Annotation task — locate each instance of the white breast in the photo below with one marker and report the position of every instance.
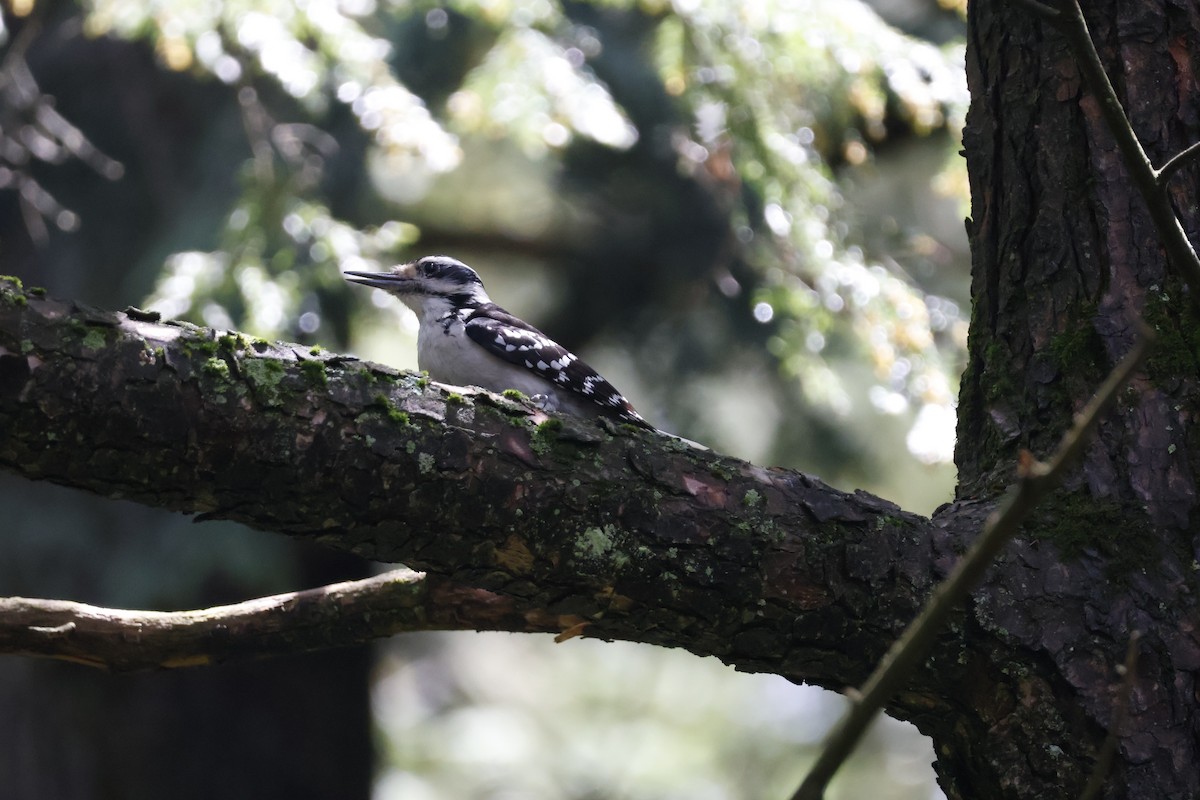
(449, 356)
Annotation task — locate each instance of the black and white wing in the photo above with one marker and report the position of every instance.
(519, 343)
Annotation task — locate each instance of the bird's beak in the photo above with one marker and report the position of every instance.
(394, 281)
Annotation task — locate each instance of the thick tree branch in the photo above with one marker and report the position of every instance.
(636, 535)
(337, 615)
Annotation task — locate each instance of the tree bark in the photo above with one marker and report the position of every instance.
(1065, 260)
(1065, 263)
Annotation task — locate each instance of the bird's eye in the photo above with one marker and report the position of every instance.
(429, 269)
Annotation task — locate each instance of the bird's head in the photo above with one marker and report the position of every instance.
(430, 284)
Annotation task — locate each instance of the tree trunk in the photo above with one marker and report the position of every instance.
(1065, 261)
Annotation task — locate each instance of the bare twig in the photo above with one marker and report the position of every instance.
(1176, 163)
(337, 615)
(1120, 711)
(1036, 480)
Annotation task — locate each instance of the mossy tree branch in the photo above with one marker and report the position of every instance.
(637, 535)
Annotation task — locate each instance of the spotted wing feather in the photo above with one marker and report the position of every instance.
(518, 342)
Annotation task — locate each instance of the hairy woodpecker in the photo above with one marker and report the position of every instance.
(467, 340)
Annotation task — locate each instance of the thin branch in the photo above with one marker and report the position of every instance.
(1120, 711)
(1176, 163)
(1147, 180)
(338, 615)
(1035, 481)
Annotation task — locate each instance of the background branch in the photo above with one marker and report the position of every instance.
(337, 615)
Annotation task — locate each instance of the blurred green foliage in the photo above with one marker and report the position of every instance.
(647, 122)
(590, 719)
